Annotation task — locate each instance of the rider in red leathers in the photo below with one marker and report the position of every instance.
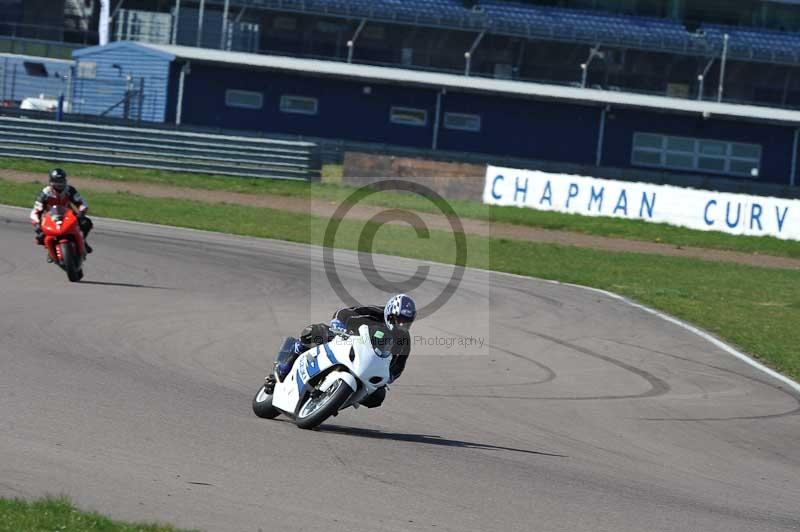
(59, 192)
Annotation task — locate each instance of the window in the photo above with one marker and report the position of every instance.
(680, 144)
(710, 147)
(462, 122)
(35, 69)
(408, 116)
(679, 160)
(702, 155)
(649, 141)
(87, 69)
(748, 151)
(373, 32)
(647, 158)
(330, 27)
(299, 104)
(284, 23)
(244, 99)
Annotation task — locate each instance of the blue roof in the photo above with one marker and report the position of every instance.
(125, 45)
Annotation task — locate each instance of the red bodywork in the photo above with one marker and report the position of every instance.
(60, 225)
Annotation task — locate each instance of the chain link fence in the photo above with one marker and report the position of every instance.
(40, 84)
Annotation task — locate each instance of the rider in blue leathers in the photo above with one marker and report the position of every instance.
(388, 329)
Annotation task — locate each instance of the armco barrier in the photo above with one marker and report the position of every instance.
(158, 149)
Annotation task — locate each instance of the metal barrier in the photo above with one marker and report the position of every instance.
(158, 149)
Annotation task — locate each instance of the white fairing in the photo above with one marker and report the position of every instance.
(330, 362)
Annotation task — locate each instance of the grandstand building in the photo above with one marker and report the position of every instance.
(685, 87)
(668, 47)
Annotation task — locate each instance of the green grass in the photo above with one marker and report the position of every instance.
(58, 515)
(331, 190)
(754, 308)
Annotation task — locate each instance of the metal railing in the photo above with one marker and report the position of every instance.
(158, 149)
(44, 32)
(33, 47)
(690, 44)
(25, 77)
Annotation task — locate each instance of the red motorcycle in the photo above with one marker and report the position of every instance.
(64, 241)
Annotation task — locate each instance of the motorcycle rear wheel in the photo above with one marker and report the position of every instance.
(314, 411)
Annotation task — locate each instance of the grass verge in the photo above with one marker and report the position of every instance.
(331, 190)
(753, 308)
(48, 515)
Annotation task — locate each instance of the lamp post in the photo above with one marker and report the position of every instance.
(722, 68)
(352, 42)
(701, 78)
(468, 53)
(223, 43)
(200, 23)
(594, 52)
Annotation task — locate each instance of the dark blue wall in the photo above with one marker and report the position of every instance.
(509, 126)
(776, 141)
(172, 91)
(345, 111)
(523, 128)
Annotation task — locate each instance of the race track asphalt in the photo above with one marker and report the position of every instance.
(131, 393)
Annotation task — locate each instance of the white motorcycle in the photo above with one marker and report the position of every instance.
(326, 379)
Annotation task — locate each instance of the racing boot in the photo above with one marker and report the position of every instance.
(375, 399)
(88, 247)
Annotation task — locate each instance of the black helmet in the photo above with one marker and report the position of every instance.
(58, 179)
(400, 312)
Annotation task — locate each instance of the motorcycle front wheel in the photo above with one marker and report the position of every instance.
(315, 410)
(262, 405)
(71, 264)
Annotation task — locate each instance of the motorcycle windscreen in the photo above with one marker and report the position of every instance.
(64, 219)
(58, 213)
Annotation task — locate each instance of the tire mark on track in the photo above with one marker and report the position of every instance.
(658, 386)
(793, 412)
(549, 373)
(7, 267)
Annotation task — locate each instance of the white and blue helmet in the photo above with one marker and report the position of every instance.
(400, 311)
